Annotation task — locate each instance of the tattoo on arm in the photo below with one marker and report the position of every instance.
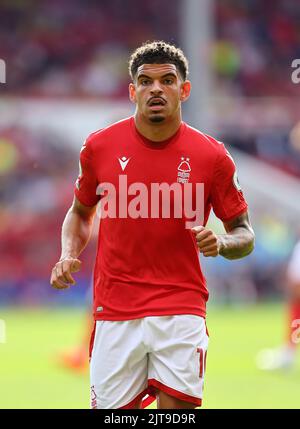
(238, 241)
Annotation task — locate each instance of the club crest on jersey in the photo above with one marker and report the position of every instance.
(184, 170)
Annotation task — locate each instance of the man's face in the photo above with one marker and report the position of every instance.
(158, 91)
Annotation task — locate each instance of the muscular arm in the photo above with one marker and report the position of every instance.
(76, 232)
(76, 229)
(239, 238)
(236, 243)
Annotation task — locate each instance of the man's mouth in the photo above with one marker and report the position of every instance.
(156, 101)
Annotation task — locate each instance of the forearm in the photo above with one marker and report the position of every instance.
(237, 243)
(76, 232)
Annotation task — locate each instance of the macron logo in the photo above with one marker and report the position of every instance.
(123, 162)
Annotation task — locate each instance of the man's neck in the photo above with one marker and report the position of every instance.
(157, 132)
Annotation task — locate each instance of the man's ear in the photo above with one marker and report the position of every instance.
(185, 90)
(132, 93)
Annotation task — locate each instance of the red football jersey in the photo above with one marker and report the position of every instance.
(147, 262)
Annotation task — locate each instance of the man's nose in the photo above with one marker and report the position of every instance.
(156, 87)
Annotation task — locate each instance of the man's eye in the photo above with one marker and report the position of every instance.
(145, 82)
(168, 81)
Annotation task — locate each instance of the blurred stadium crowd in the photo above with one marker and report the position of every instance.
(255, 39)
(80, 48)
(77, 48)
(37, 175)
(38, 169)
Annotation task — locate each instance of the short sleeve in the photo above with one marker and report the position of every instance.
(226, 196)
(86, 183)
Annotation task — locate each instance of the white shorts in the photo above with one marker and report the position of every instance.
(135, 358)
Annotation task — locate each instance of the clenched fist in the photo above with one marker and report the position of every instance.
(61, 277)
(207, 241)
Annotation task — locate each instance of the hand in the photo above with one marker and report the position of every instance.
(207, 241)
(61, 277)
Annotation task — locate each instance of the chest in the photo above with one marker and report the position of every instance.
(181, 164)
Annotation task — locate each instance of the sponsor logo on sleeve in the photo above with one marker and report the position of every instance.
(236, 182)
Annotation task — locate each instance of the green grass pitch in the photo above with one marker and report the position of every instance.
(30, 377)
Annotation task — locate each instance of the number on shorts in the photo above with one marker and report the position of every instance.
(202, 360)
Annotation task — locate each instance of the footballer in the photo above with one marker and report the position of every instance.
(149, 172)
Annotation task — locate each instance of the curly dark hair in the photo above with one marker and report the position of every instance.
(158, 52)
